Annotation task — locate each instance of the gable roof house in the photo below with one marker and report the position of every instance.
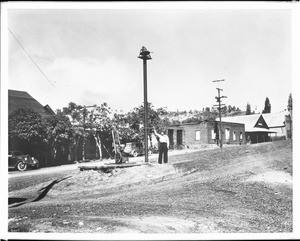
(256, 127)
(277, 123)
(21, 99)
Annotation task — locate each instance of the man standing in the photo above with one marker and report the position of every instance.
(163, 146)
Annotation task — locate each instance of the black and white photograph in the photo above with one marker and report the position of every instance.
(149, 120)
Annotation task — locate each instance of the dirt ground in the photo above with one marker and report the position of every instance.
(237, 189)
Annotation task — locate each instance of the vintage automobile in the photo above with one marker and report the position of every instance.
(18, 160)
(136, 149)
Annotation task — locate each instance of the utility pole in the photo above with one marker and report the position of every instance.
(145, 55)
(219, 108)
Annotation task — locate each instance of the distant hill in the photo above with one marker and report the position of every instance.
(200, 115)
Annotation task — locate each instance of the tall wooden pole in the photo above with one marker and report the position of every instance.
(145, 109)
(220, 114)
(145, 55)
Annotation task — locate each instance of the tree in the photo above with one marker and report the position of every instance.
(267, 108)
(224, 110)
(122, 124)
(192, 120)
(207, 114)
(58, 135)
(100, 125)
(290, 103)
(47, 138)
(76, 114)
(26, 133)
(136, 120)
(248, 109)
(88, 122)
(25, 124)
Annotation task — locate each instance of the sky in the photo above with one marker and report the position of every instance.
(90, 56)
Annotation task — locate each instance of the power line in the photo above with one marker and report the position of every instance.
(31, 58)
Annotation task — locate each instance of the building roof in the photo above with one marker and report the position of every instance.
(21, 99)
(275, 119)
(256, 129)
(253, 123)
(249, 120)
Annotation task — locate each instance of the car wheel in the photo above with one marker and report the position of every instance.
(135, 154)
(21, 166)
(149, 153)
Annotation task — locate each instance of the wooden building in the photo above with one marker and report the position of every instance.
(256, 127)
(278, 123)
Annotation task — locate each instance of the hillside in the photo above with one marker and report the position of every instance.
(200, 115)
(234, 189)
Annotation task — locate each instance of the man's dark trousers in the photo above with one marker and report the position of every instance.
(163, 150)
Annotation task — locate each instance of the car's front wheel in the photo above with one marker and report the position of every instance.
(22, 166)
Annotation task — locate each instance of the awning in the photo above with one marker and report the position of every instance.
(262, 130)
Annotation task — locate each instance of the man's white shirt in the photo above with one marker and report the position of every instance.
(163, 139)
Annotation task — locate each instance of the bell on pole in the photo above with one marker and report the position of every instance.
(144, 54)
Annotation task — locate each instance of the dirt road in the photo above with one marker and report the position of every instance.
(20, 180)
(230, 190)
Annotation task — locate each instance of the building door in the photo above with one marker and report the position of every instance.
(227, 133)
(171, 138)
(179, 137)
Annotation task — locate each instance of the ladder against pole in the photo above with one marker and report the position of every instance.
(116, 140)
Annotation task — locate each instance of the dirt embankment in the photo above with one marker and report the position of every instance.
(234, 189)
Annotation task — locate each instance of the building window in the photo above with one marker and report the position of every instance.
(227, 133)
(234, 136)
(197, 135)
(213, 135)
(241, 135)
